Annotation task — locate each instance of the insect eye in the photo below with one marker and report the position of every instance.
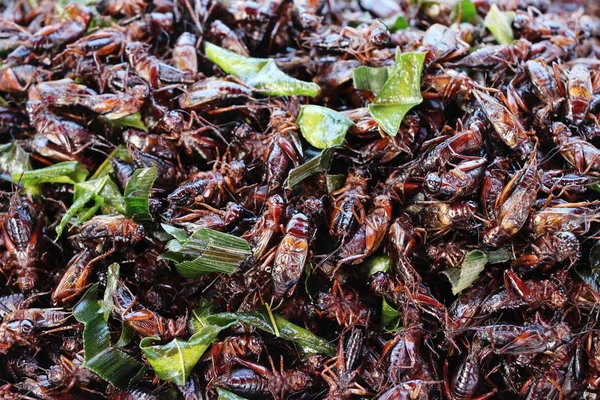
(26, 327)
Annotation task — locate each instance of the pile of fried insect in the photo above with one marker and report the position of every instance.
(208, 199)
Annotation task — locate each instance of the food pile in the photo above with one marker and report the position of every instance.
(208, 199)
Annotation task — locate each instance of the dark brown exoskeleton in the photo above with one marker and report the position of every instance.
(102, 43)
(75, 20)
(498, 57)
(580, 93)
(213, 91)
(349, 205)
(567, 183)
(16, 79)
(547, 87)
(224, 352)
(405, 358)
(464, 382)
(550, 249)
(10, 303)
(496, 176)
(341, 372)
(463, 143)
(508, 128)
(184, 54)
(127, 8)
(209, 217)
(407, 390)
(442, 44)
(22, 230)
(370, 234)
(460, 181)
(152, 69)
(67, 374)
(144, 321)
(267, 227)
(256, 380)
(582, 155)
(343, 307)
(439, 218)
(564, 217)
(23, 326)
(514, 203)
(210, 187)
(291, 255)
(530, 339)
(75, 279)
(103, 231)
(531, 293)
(283, 150)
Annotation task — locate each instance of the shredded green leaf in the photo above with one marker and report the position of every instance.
(206, 251)
(401, 92)
(137, 194)
(307, 341)
(112, 283)
(175, 360)
(467, 10)
(109, 363)
(227, 395)
(259, 73)
(130, 121)
(106, 167)
(376, 263)
(499, 24)
(397, 24)
(335, 182)
(473, 264)
(13, 161)
(320, 163)
(390, 318)
(70, 172)
(323, 127)
(371, 79)
(88, 197)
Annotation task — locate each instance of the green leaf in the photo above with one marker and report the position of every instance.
(472, 265)
(101, 192)
(401, 92)
(390, 318)
(227, 395)
(13, 161)
(111, 364)
(323, 127)
(376, 263)
(397, 24)
(106, 167)
(196, 321)
(112, 283)
(308, 342)
(70, 172)
(206, 251)
(175, 360)
(320, 163)
(131, 121)
(499, 24)
(335, 182)
(137, 194)
(118, 368)
(467, 10)
(371, 79)
(177, 233)
(259, 73)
